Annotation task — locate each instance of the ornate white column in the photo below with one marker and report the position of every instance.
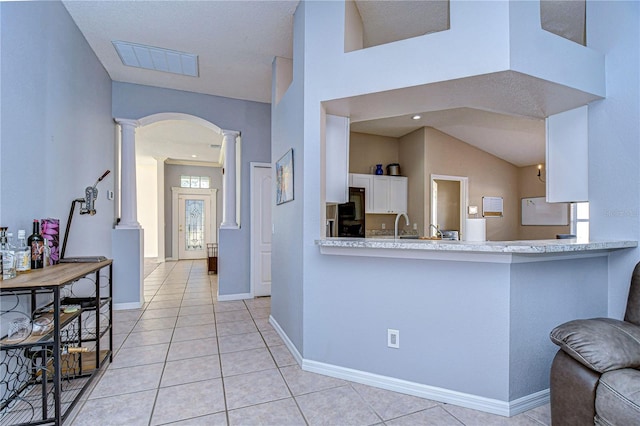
(229, 180)
(128, 196)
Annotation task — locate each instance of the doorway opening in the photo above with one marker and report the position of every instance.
(194, 222)
(449, 199)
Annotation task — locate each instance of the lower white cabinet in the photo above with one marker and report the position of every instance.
(383, 194)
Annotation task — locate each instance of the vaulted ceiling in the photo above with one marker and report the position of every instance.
(236, 42)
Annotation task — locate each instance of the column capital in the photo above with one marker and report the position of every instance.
(230, 133)
(127, 122)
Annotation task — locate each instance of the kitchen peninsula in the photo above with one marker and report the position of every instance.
(474, 317)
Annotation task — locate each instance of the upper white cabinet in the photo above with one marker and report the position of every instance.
(366, 182)
(383, 194)
(567, 156)
(337, 159)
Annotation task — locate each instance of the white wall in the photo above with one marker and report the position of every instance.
(147, 191)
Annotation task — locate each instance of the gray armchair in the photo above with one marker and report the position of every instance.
(595, 376)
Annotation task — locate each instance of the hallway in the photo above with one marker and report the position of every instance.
(187, 359)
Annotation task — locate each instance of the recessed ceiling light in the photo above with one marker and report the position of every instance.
(194, 156)
(156, 58)
(416, 117)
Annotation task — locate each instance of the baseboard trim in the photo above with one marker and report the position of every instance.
(125, 306)
(236, 296)
(288, 343)
(475, 402)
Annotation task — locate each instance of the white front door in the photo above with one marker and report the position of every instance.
(194, 230)
(261, 229)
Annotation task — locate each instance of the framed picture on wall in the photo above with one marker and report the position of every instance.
(284, 178)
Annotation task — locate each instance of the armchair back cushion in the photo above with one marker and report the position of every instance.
(602, 344)
(632, 314)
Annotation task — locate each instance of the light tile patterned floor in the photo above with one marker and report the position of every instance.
(187, 359)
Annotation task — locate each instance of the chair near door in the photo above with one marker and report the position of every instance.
(212, 257)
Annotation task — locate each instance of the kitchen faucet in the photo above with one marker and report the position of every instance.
(438, 232)
(395, 229)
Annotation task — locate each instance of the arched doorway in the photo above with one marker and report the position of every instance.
(217, 146)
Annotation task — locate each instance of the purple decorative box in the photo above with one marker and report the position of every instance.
(50, 229)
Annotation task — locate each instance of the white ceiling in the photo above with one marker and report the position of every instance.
(236, 42)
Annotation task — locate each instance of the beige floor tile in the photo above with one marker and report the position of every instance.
(163, 304)
(236, 327)
(194, 333)
(123, 327)
(282, 356)
(229, 316)
(478, 418)
(232, 305)
(130, 409)
(118, 381)
(196, 310)
(272, 338)
(263, 324)
(190, 370)
(160, 313)
(118, 340)
(191, 320)
(259, 302)
(284, 412)
(127, 315)
(337, 406)
(192, 349)
(218, 419)
(390, 404)
(541, 414)
(187, 401)
(155, 324)
(197, 295)
(301, 382)
(196, 302)
(246, 361)
(436, 416)
(129, 357)
(240, 342)
(260, 312)
(144, 338)
(254, 388)
(166, 298)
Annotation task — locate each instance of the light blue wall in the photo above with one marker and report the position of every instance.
(287, 260)
(253, 119)
(614, 139)
(57, 133)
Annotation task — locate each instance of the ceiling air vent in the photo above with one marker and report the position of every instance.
(155, 58)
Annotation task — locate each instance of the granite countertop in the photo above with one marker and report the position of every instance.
(520, 246)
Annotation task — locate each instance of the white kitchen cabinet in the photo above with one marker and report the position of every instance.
(337, 159)
(366, 182)
(383, 194)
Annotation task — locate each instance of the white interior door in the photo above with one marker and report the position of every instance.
(261, 229)
(194, 226)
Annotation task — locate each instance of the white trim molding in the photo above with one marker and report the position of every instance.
(235, 296)
(475, 402)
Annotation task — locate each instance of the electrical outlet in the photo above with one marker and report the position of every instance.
(384, 226)
(473, 209)
(393, 338)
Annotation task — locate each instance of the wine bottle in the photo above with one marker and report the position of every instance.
(36, 242)
(8, 256)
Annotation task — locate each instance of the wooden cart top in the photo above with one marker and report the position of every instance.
(52, 276)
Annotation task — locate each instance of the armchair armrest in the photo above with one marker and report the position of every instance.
(601, 344)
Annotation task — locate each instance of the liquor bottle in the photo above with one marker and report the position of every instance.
(23, 254)
(8, 256)
(36, 242)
